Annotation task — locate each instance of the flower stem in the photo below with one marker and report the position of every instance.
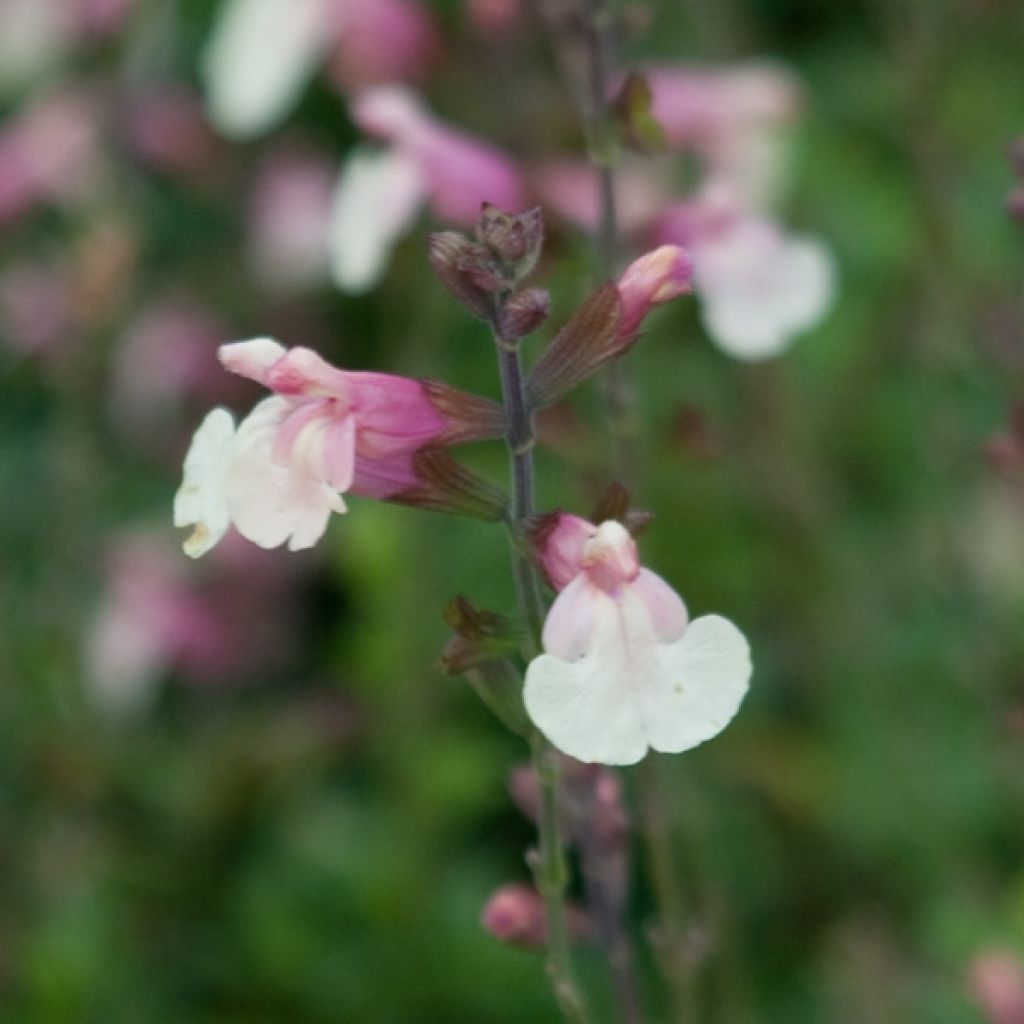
(623, 427)
(549, 863)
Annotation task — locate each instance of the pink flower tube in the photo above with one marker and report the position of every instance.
(278, 476)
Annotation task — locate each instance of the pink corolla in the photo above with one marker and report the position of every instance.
(380, 192)
(263, 54)
(735, 118)
(759, 286)
(279, 474)
(623, 669)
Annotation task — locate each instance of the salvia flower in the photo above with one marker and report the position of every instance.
(263, 53)
(279, 474)
(623, 669)
(380, 192)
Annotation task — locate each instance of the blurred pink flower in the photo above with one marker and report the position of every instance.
(167, 131)
(167, 354)
(759, 286)
(36, 309)
(623, 670)
(736, 118)
(281, 473)
(263, 53)
(495, 17)
(156, 617)
(515, 914)
(49, 153)
(289, 211)
(379, 193)
(996, 980)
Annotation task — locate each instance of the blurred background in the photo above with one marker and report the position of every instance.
(241, 790)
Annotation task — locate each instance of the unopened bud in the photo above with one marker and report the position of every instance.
(515, 914)
(454, 259)
(514, 240)
(524, 313)
(652, 280)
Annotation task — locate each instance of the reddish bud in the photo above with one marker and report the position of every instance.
(514, 240)
(652, 280)
(455, 262)
(524, 313)
(515, 914)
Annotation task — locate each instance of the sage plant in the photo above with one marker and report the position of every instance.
(613, 667)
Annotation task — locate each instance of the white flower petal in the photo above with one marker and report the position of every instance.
(260, 58)
(201, 500)
(271, 503)
(629, 691)
(702, 678)
(761, 288)
(570, 622)
(375, 201)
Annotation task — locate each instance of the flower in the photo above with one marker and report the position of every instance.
(760, 287)
(280, 473)
(263, 53)
(623, 669)
(379, 193)
(652, 280)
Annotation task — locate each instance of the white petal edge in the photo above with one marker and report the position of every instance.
(376, 199)
(201, 501)
(259, 59)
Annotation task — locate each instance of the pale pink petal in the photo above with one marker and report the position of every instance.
(570, 622)
(663, 604)
(252, 359)
(260, 59)
(610, 557)
(561, 552)
(375, 202)
(301, 372)
(340, 453)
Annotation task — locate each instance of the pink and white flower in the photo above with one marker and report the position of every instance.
(380, 192)
(279, 474)
(263, 54)
(760, 287)
(623, 669)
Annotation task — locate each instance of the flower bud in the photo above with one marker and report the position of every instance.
(524, 313)
(456, 263)
(652, 280)
(515, 241)
(515, 914)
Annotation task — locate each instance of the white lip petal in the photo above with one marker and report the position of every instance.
(629, 692)
(201, 501)
(377, 197)
(259, 60)
(701, 681)
(272, 503)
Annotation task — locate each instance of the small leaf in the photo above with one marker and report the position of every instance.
(639, 129)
